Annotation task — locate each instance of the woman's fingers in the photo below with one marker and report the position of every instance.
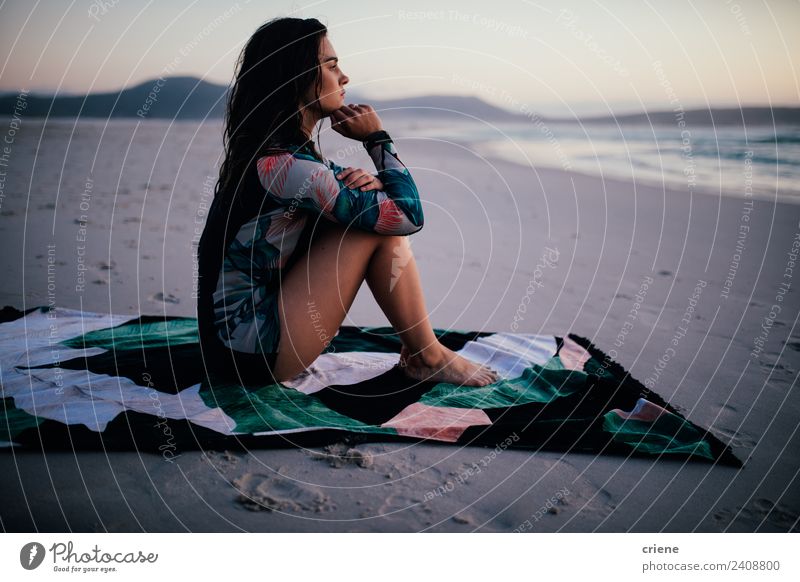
(350, 176)
(336, 123)
(344, 173)
(341, 115)
(356, 177)
(348, 111)
(374, 184)
(362, 181)
(342, 120)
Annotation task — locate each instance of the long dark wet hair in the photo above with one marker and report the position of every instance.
(274, 72)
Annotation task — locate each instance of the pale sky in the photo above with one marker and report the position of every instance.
(553, 57)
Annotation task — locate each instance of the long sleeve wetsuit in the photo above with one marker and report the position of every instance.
(239, 279)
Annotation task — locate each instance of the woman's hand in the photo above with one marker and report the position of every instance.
(355, 121)
(356, 177)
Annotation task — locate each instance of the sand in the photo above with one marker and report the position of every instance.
(643, 270)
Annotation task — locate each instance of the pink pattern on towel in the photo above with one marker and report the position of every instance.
(440, 423)
(644, 410)
(573, 355)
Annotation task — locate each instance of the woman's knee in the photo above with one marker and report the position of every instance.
(343, 234)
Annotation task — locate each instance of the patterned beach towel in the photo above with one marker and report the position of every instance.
(84, 380)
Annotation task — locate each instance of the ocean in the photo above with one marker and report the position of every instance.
(762, 162)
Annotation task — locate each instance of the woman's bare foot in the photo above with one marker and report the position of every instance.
(441, 364)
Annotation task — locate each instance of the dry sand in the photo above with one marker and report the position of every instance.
(487, 223)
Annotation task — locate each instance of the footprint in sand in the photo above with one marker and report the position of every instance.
(724, 408)
(264, 493)
(340, 454)
(222, 461)
(398, 504)
(569, 497)
(793, 344)
(168, 298)
(734, 438)
(760, 514)
(464, 519)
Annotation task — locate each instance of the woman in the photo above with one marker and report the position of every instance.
(289, 238)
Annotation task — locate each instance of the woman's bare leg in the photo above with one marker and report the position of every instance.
(320, 288)
(395, 283)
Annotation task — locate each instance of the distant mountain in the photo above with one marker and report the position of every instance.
(192, 98)
(169, 98)
(445, 106)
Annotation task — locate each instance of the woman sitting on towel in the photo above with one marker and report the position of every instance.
(290, 236)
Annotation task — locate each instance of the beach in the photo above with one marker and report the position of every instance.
(695, 293)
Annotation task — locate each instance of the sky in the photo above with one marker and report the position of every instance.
(564, 57)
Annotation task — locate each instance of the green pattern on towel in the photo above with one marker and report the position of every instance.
(668, 434)
(151, 334)
(536, 384)
(274, 408)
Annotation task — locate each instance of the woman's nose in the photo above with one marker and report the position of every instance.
(345, 79)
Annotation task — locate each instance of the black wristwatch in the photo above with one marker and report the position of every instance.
(376, 137)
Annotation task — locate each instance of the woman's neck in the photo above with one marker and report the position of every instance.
(309, 121)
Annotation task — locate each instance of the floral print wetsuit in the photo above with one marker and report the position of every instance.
(238, 300)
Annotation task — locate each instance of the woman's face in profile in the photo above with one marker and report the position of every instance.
(331, 95)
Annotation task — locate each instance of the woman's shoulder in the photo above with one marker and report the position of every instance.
(272, 152)
(276, 150)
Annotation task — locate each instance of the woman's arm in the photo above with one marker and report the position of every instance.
(298, 180)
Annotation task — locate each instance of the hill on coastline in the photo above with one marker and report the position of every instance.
(192, 98)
